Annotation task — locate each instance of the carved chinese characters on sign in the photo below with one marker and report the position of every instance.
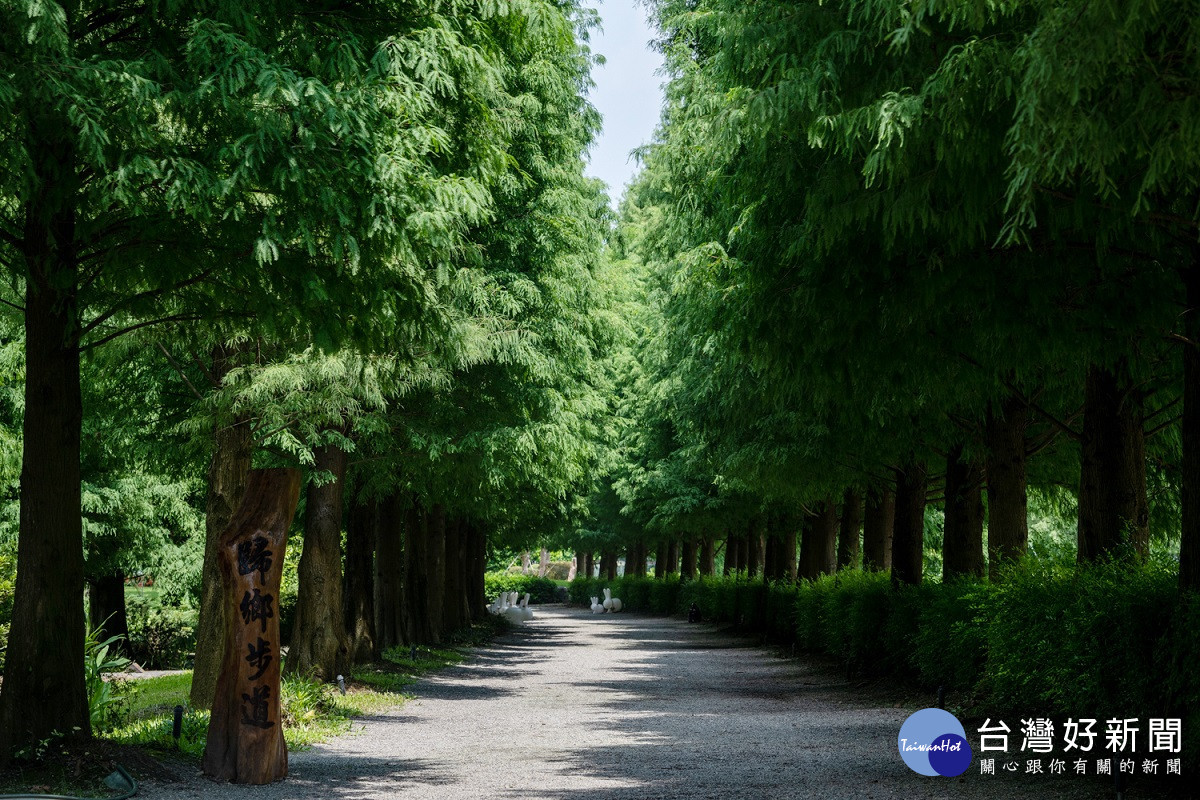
(245, 741)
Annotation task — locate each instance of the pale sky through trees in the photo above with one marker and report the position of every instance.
(628, 91)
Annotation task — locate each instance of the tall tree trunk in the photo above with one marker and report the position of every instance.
(477, 547)
(731, 555)
(233, 446)
(660, 558)
(1189, 540)
(1007, 511)
(435, 565)
(1113, 511)
(106, 608)
(672, 556)
(609, 570)
(908, 533)
(878, 521)
(754, 546)
(962, 540)
(590, 568)
(849, 533)
(319, 647)
(389, 572)
(708, 557)
(452, 556)
(790, 547)
(687, 570)
(543, 562)
(43, 688)
(525, 562)
(360, 581)
(245, 731)
(579, 567)
(770, 550)
(818, 546)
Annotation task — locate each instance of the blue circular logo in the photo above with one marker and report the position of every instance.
(933, 742)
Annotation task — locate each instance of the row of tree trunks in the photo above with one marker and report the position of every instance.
(1113, 510)
(908, 532)
(661, 558)
(476, 544)
(962, 541)
(754, 539)
(319, 645)
(879, 516)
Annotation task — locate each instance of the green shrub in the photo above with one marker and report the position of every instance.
(160, 638)
(106, 698)
(540, 590)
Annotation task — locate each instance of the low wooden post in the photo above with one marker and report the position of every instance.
(245, 734)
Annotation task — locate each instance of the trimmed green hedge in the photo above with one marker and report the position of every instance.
(1108, 639)
(541, 590)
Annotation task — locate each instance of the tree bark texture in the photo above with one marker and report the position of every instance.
(687, 567)
(319, 645)
(245, 732)
(1189, 541)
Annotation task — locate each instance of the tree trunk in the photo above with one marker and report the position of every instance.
(477, 554)
(245, 732)
(754, 546)
(610, 570)
(543, 562)
(435, 566)
(1189, 539)
(660, 559)
(962, 539)
(1008, 512)
(708, 557)
(389, 573)
(233, 446)
(43, 688)
(878, 521)
(849, 532)
(789, 549)
(590, 570)
(908, 533)
(687, 570)
(1113, 511)
(319, 647)
(818, 545)
(106, 608)
(578, 566)
(418, 581)
(452, 557)
(360, 581)
(730, 565)
(525, 562)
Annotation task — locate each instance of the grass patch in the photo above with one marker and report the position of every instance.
(312, 712)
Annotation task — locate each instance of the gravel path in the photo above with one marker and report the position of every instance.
(625, 706)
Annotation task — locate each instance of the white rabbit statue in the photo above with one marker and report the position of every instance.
(526, 611)
(611, 603)
(597, 608)
(500, 604)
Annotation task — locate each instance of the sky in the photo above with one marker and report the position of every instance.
(628, 91)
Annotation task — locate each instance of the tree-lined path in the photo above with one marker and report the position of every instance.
(624, 707)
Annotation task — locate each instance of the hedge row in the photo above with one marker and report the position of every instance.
(1112, 639)
(541, 590)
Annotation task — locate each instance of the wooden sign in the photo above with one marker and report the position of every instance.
(245, 735)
